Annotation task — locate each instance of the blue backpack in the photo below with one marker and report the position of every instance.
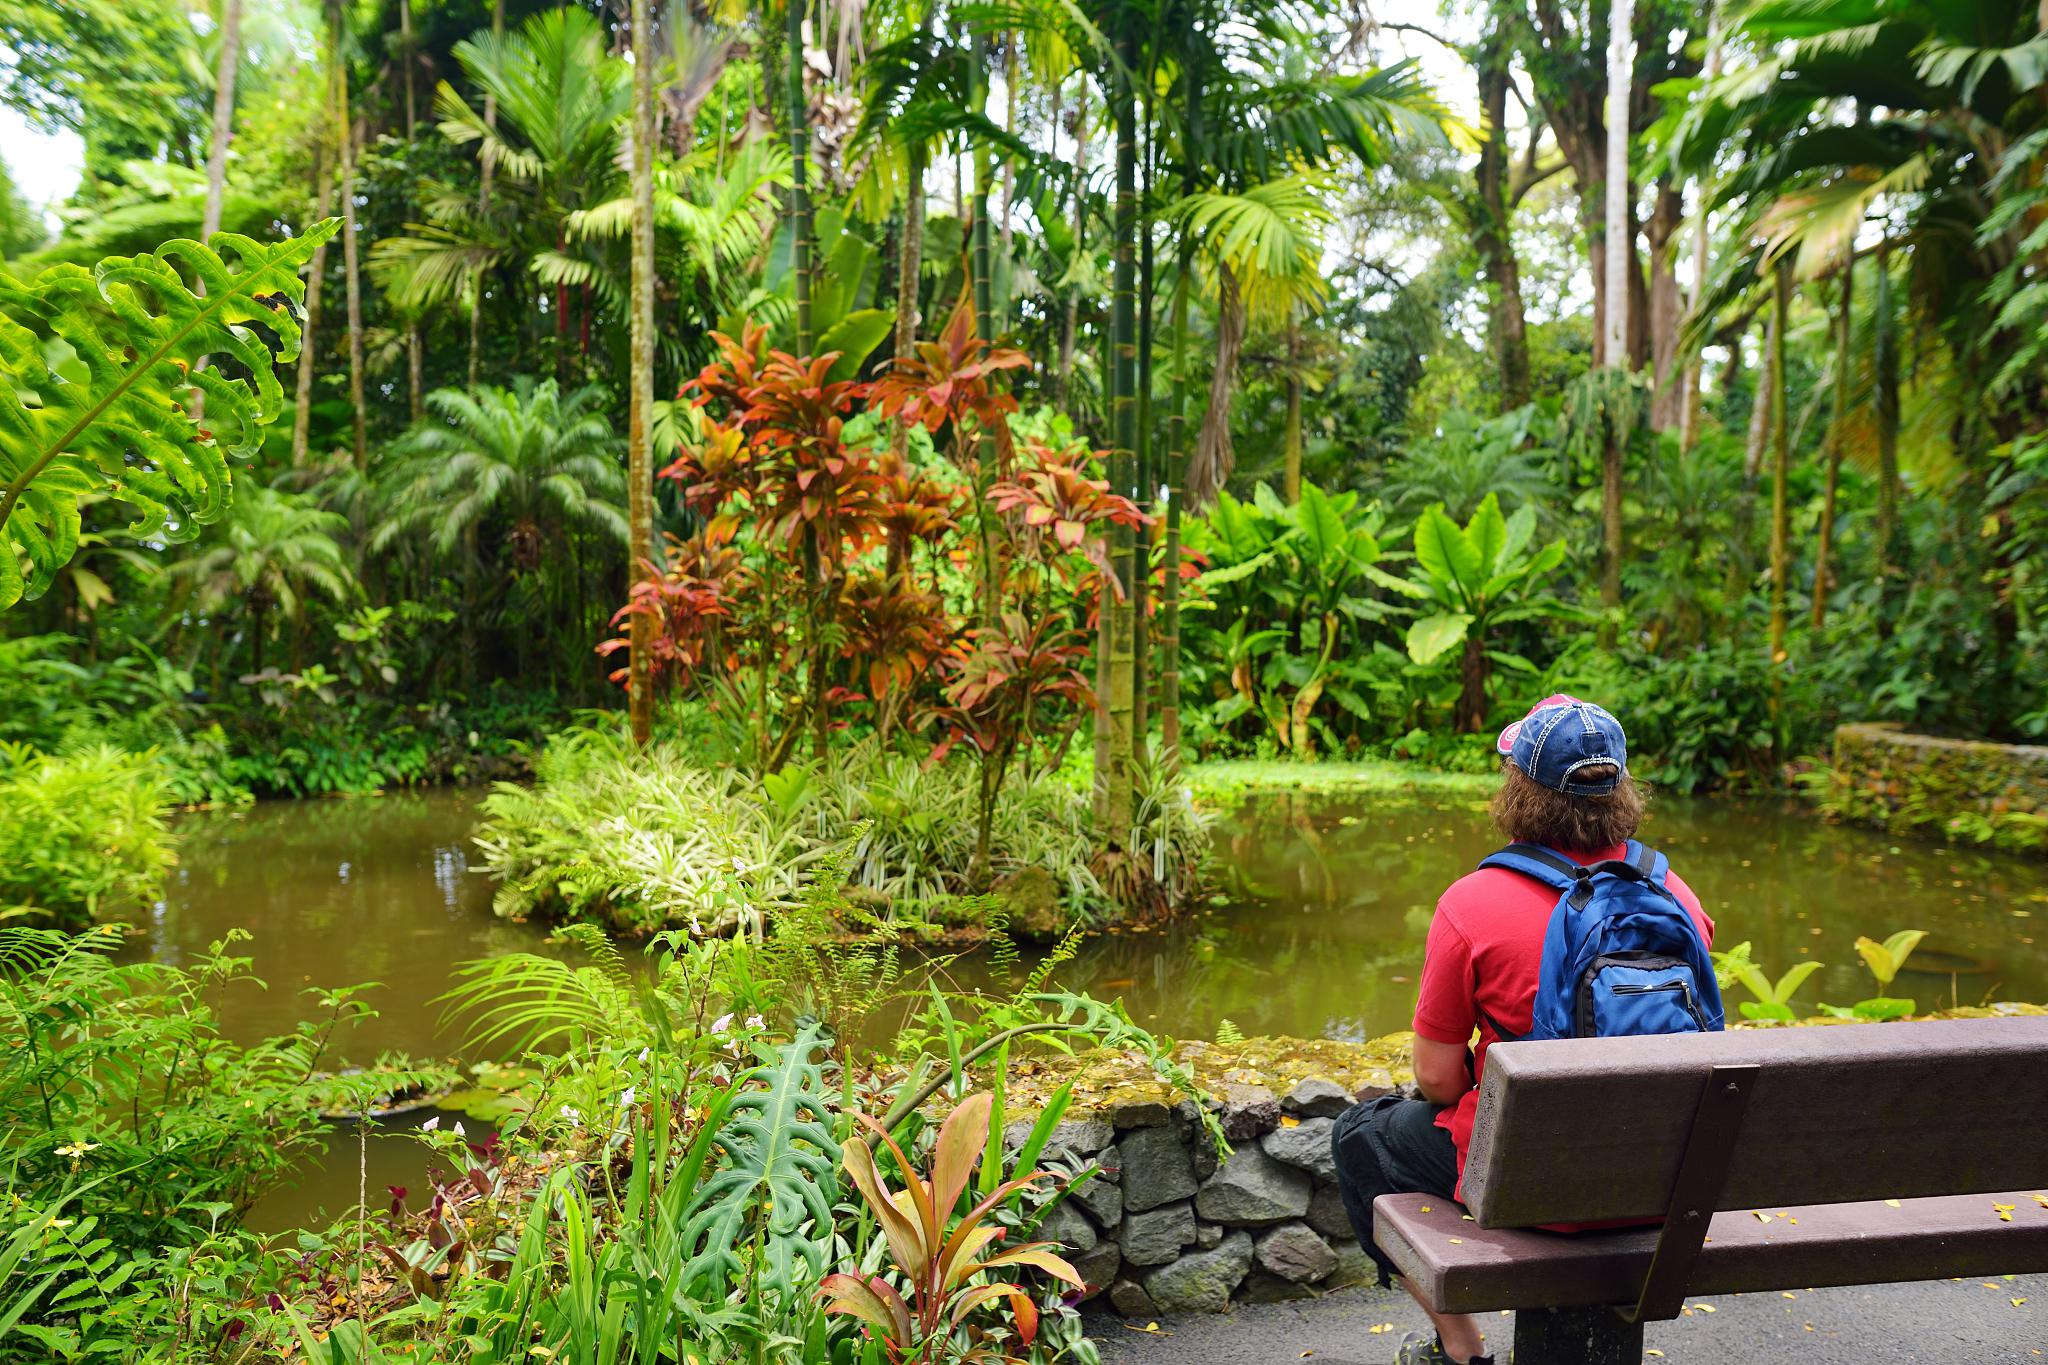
(1621, 957)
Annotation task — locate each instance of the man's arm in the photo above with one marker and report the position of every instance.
(1443, 1071)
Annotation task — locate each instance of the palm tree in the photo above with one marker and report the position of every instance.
(539, 461)
(264, 559)
(556, 103)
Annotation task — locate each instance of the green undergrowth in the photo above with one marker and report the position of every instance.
(84, 832)
(642, 840)
(1225, 779)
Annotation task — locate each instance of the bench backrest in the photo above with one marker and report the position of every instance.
(1584, 1130)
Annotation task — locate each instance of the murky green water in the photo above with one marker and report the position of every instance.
(1318, 928)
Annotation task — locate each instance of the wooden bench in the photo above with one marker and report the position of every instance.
(1873, 1153)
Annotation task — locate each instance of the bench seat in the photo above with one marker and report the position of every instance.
(1460, 1267)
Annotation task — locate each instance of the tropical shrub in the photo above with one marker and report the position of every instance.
(1478, 577)
(134, 1137)
(1280, 620)
(85, 833)
(647, 839)
(941, 1254)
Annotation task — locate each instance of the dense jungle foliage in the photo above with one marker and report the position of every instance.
(855, 460)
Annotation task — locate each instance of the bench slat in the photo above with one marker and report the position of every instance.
(1592, 1130)
(1484, 1270)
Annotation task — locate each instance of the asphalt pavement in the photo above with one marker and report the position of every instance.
(1941, 1322)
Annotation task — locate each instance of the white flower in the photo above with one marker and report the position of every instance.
(626, 1100)
(431, 1124)
(458, 1128)
(721, 1023)
(572, 1115)
(643, 1054)
(755, 1021)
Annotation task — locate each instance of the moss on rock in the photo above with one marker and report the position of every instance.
(1965, 791)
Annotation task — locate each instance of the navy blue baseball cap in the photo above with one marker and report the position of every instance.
(1561, 737)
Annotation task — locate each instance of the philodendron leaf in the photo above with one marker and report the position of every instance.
(1429, 637)
(126, 430)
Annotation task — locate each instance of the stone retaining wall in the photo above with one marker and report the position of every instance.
(1165, 1226)
(1969, 791)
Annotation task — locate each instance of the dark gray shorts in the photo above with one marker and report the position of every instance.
(1390, 1146)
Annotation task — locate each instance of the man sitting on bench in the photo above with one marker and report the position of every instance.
(1565, 789)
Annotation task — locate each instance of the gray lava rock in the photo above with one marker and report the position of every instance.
(1138, 1113)
(1326, 1213)
(1251, 1188)
(1100, 1196)
(1294, 1252)
(1249, 1111)
(1073, 1137)
(1262, 1287)
(1156, 1169)
(1202, 1281)
(1156, 1236)
(1129, 1298)
(1069, 1227)
(1098, 1267)
(1353, 1265)
(1316, 1099)
(1306, 1145)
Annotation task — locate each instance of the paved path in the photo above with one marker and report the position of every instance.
(1943, 1322)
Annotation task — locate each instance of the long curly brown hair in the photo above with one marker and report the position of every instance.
(1528, 812)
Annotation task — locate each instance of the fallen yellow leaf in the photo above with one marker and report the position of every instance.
(1380, 1327)
(2017, 1302)
(1653, 1353)
(1457, 1241)
(1704, 1307)
(1425, 1208)
(1761, 1216)
(1894, 1203)
(1289, 1121)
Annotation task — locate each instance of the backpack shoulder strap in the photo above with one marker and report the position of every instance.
(1553, 869)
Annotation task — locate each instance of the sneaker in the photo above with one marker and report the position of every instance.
(1417, 1349)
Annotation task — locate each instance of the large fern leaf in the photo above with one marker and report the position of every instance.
(778, 1181)
(98, 367)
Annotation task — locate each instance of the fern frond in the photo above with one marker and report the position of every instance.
(125, 429)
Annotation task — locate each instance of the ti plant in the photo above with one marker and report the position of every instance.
(104, 389)
(942, 1258)
(1885, 961)
(1773, 998)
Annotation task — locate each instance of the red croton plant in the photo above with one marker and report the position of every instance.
(831, 559)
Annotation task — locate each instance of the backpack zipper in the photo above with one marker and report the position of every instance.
(1651, 988)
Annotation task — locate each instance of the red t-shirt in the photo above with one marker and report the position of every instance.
(1485, 951)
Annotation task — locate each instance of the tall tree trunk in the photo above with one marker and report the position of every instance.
(1885, 364)
(1007, 234)
(1667, 307)
(1760, 408)
(908, 291)
(1070, 313)
(217, 148)
(1290, 438)
(316, 271)
(1837, 434)
(1124, 424)
(1781, 461)
(483, 206)
(800, 170)
(1492, 237)
(405, 61)
(1176, 452)
(639, 456)
(1144, 478)
(414, 373)
(350, 261)
(223, 116)
(1620, 259)
(1689, 398)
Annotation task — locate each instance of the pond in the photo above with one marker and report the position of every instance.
(1316, 928)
